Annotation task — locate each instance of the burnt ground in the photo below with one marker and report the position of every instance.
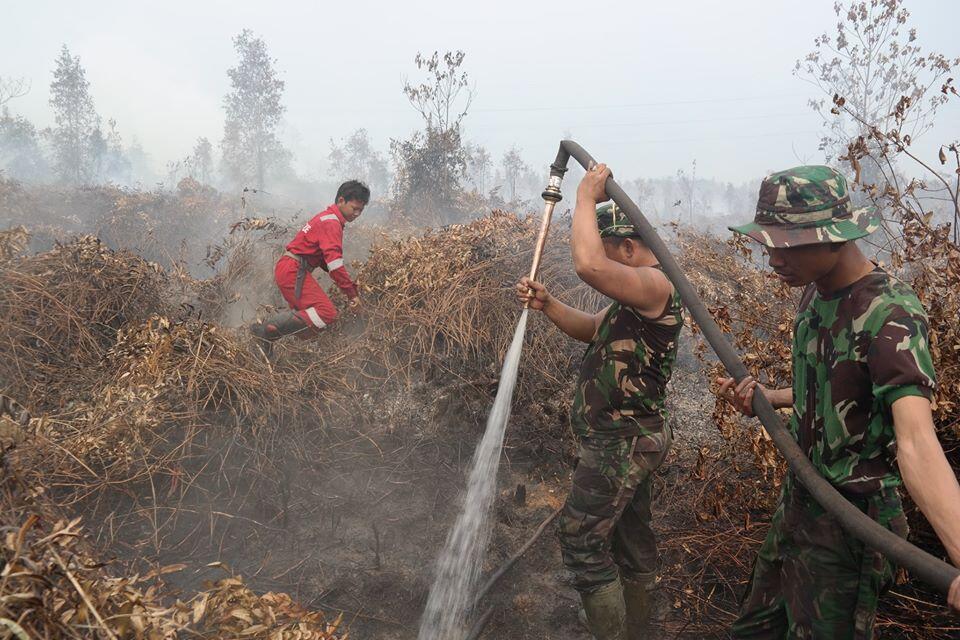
(357, 522)
(359, 529)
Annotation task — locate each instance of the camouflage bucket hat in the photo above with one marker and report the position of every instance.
(807, 205)
(613, 222)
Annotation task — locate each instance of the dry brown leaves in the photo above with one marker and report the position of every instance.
(151, 392)
(128, 394)
(756, 311)
(123, 397)
(229, 609)
(51, 586)
(448, 296)
(932, 267)
(123, 390)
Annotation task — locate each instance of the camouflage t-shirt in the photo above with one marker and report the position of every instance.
(624, 373)
(855, 352)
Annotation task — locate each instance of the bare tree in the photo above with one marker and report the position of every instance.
(478, 166)
(514, 169)
(202, 161)
(11, 88)
(688, 185)
(872, 60)
(198, 166)
(430, 165)
(883, 92)
(356, 158)
(98, 153)
(444, 99)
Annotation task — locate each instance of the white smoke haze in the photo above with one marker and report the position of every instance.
(649, 89)
(165, 128)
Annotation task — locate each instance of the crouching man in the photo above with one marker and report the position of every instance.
(618, 412)
(318, 244)
(863, 381)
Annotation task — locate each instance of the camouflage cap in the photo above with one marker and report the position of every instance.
(613, 222)
(807, 205)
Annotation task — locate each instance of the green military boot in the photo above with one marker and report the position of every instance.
(605, 612)
(636, 599)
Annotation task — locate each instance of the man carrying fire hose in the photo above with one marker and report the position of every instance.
(863, 381)
(319, 243)
(618, 412)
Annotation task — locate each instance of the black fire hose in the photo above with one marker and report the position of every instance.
(928, 568)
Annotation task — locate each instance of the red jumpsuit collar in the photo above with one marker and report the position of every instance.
(335, 210)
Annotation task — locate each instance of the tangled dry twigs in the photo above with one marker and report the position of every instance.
(172, 435)
(143, 413)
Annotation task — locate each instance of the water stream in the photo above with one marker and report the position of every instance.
(460, 562)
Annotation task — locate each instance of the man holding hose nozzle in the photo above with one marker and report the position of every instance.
(618, 412)
(863, 381)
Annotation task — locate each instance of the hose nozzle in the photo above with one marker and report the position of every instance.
(551, 196)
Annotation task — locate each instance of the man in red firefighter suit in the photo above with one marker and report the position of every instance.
(319, 243)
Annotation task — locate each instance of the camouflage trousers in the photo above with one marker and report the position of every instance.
(811, 578)
(604, 528)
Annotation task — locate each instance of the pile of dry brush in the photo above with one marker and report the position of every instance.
(110, 396)
(162, 429)
(53, 585)
(150, 422)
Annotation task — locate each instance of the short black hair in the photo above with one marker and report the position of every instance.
(616, 241)
(353, 190)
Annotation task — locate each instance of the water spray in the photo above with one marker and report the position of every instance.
(454, 591)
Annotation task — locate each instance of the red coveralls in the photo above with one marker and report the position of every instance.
(321, 242)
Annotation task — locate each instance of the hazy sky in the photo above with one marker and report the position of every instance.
(648, 87)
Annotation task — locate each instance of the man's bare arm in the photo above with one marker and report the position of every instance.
(644, 288)
(573, 322)
(926, 472)
(928, 476)
(577, 324)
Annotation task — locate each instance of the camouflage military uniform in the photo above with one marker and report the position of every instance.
(619, 417)
(855, 352)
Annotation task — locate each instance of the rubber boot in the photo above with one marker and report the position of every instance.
(278, 325)
(605, 611)
(636, 599)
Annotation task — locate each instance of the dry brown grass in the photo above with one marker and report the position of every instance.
(54, 586)
(144, 414)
